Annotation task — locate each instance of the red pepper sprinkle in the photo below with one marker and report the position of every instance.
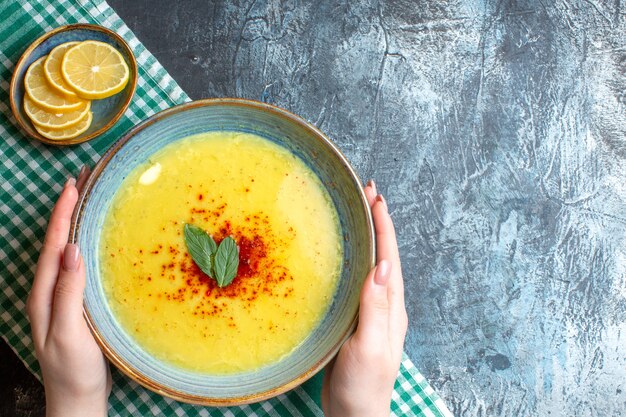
(257, 274)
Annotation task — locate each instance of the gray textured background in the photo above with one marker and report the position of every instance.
(497, 132)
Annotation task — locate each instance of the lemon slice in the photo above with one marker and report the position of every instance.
(45, 118)
(94, 70)
(40, 92)
(52, 69)
(67, 133)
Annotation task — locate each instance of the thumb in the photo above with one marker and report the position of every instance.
(67, 308)
(374, 309)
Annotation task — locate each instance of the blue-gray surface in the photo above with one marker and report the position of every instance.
(497, 131)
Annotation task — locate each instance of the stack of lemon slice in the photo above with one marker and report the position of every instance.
(60, 86)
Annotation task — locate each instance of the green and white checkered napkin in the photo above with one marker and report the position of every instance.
(32, 177)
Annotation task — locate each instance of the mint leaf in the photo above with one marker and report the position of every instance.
(219, 263)
(226, 262)
(201, 247)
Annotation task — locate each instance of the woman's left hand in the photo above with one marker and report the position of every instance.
(76, 375)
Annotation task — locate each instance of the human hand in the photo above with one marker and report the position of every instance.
(75, 373)
(360, 380)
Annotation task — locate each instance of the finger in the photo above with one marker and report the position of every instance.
(373, 327)
(387, 248)
(40, 299)
(370, 192)
(67, 307)
(325, 396)
(386, 244)
(83, 175)
(59, 224)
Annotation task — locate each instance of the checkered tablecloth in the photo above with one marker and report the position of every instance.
(32, 175)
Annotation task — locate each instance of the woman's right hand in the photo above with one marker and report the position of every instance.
(359, 381)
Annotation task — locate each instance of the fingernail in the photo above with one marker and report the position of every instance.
(70, 257)
(381, 276)
(70, 182)
(372, 185)
(82, 172)
(380, 198)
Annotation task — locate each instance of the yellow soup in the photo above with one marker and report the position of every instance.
(229, 184)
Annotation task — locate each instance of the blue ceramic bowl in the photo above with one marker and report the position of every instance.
(106, 112)
(303, 140)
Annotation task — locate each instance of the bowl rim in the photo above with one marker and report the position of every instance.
(26, 54)
(126, 367)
